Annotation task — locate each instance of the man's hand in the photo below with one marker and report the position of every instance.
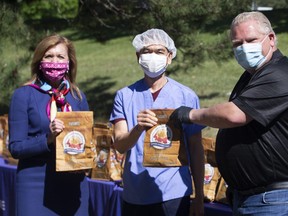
(181, 115)
(146, 119)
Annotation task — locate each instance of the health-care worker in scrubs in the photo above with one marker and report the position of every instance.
(156, 190)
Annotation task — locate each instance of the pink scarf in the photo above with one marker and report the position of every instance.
(57, 97)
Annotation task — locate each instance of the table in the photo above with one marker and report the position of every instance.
(217, 209)
(7, 190)
(105, 196)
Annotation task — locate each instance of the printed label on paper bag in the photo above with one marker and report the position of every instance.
(209, 173)
(74, 143)
(161, 137)
(102, 157)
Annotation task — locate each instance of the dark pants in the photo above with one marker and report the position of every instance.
(174, 207)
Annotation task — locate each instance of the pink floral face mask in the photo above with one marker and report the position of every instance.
(54, 71)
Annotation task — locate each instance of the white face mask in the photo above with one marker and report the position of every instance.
(249, 55)
(153, 64)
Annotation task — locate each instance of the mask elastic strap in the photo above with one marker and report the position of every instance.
(264, 60)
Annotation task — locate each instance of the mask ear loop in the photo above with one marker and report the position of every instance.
(68, 67)
(265, 58)
(264, 38)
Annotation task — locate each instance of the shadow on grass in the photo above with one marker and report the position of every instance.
(209, 96)
(99, 98)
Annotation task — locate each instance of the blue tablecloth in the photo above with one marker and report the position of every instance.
(7, 190)
(105, 196)
(217, 209)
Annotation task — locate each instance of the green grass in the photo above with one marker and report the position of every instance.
(103, 68)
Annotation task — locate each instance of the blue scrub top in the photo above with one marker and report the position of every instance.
(146, 185)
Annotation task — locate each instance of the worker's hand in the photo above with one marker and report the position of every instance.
(146, 119)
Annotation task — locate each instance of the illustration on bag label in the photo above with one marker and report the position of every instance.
(161, 137)
(74, 143)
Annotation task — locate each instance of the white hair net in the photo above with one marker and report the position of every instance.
(154, 36)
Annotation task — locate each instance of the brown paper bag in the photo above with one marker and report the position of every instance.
(211, 181)
(5, 151)
(221, 192)
(1, 135)
(209, 150)
(212, 175)
(102, 137)
(74, 146)
(115, 165)
(163, 146)
(108, 160)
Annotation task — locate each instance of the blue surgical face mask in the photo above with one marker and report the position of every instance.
(249, 55)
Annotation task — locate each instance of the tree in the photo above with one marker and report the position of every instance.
(47, 9)
(183, 20)
(280, 4)
(15, 40)
(18, 21)
(48, 15)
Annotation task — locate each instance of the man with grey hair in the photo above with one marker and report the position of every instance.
(156, 190)
(252, 143)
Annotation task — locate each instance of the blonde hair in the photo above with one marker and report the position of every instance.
(46, 44)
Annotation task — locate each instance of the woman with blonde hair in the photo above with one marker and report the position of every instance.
(40, 190)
